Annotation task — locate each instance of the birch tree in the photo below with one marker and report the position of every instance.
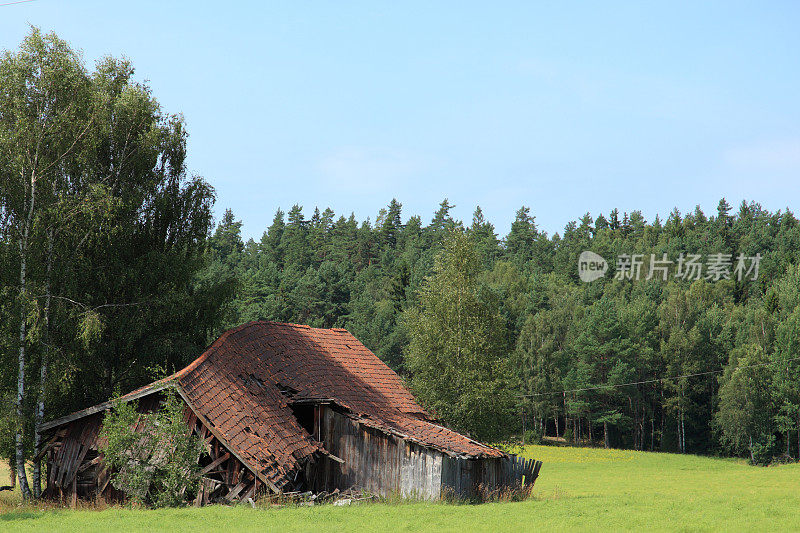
(104, 230)
(43, 102)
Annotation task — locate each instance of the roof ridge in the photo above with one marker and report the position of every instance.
(290, 324)
(221, 339)
(207, 352)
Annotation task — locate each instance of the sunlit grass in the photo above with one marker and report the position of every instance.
(578, 489)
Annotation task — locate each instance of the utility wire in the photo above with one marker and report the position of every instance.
(17, 2)
(597, 387)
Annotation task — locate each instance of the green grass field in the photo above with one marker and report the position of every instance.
(578, 489)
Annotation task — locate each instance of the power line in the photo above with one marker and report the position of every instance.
(644, 382)
(17, 2)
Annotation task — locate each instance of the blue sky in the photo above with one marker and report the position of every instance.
(565, 107)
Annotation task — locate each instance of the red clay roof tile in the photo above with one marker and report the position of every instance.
(248, 377)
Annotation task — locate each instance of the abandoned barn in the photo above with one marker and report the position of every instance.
(284, 408)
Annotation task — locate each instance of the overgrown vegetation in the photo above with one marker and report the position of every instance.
(154, 456)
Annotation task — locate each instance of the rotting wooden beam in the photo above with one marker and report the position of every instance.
(105, 476)
(235, 473)
(329, 455)
(249, 494)
(235, 491)
(312, 401)
(89, 464)
(46, 448)
(215, 463)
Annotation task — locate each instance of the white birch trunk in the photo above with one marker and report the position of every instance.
(23, 256)
(37, 466)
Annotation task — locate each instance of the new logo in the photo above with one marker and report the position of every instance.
(591, 266)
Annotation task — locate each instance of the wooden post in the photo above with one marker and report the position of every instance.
(74, 498)
(201, 489)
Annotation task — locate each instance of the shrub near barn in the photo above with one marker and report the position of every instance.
(154, 457)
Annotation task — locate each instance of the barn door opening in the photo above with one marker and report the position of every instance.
(308, 416)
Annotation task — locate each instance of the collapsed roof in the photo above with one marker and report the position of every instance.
(246, 382)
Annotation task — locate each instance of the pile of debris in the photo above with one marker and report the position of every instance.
(350, 496)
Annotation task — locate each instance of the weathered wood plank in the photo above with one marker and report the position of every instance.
(71, 451)
(218, 461)
(536, 469)
(235, 491)
(88, 464)
(46, 448)
(73, 473)
(74, 496)
(206, 487)
(250, 492)
(103, 478)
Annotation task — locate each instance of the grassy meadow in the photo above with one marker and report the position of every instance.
(578, 489)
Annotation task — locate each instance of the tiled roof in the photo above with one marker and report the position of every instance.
(246, 380)
(248, 377)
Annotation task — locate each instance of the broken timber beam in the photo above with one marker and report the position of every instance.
(218, 461)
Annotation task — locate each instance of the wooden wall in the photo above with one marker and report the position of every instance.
(385, 465)
(371, 460)
(479, 478)
(75, 467)
(377, 462)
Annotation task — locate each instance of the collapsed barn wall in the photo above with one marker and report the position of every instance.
(358, 455)
(72, 466)
(75, 467)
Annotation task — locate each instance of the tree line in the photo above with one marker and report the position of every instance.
(491, 330)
